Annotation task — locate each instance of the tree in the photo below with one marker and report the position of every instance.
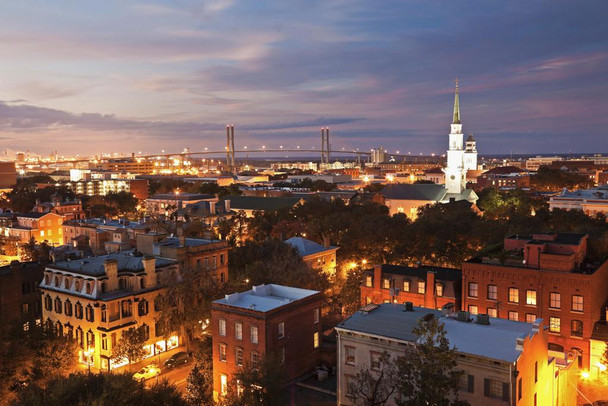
(28, 251)
(427, 371)
(130, 345)
(258, 384)
(102, 389)
(375, 387)
(199, 388)
(56, 356)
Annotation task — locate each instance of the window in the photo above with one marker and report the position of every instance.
(554, 324)
(239, 356)
(536, 372)
(406, 286)
(214, 262)
(315, 339)
(315, 316)
(283, 356)
(222, 327)
(530, 318)
(351, 386)
(222, 259)
(492, 292)
(473, 289)
(492, 312)
(349, 355)
(104, 342)
(577, 303)
(58, 305)
(473, 309)
(222, 348)
(48, 303)
(78, 310)
(386, 283)
(513, 295)
(421, 287)
(254, 334)
(90, 315)
(77, 286)
(466, 382)
(68, 307)
(577, 328)
(439, 289)
(90, 339)
(66, 283)
(281, 330)
(255, 359)
(493, 388)
(531, 297)
(143, 307)
(224, 384)
(368, 281)
(374, 360)
(519, 389)
(238, 330)
(555, 300)
(514, 316)
(25, 310)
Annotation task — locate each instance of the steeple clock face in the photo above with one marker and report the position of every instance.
(452, 177)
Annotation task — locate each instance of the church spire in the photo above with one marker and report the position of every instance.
(456, 119)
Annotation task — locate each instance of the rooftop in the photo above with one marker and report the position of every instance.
(181, 196)
(94, 266)
(307, 247)
(264, 298)
(444, 274)
(189, 242)
(550, 237)
(260, 203)
(496, 340)
(598, 193)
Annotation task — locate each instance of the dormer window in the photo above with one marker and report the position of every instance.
(89, 289)
(57, 281)
(104, 287)
(77, 286)
(142, 283)
(47, 279)
(122, 283)
(66, 283)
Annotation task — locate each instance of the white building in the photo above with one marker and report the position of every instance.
(590, 201)
(533, 164)
(459, 158)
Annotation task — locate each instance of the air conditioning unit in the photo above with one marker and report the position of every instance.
(483, 319)
(408, 307)
(463, 316)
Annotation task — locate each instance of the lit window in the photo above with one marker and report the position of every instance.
(223, 352)
(531, 297)
(349, 355)
(492, 312)
(254, 334)
(439, 289)
(368, 281)
(577, 303)
(513, 295)
(255, 359)
(406, 286)
(222, 327)
(473, 289)
(315, 339)
(492, 292)
(224, 384)
(315, 316)
(530, 318)
(239, 356)
(281, 330)
(422, 287)
(514, 316)
(386, 283)
(555, 301)
(238, 330)
(554, 324)
(473, 309)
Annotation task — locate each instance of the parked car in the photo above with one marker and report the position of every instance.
(178, 358)
(147, 372)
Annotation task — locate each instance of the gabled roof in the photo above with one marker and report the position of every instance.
(307, 247)
(260, 203)
(422, 191)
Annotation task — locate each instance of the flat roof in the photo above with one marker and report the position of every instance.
(189, 242)
(94, 266)
(264, 298)
(496, 340)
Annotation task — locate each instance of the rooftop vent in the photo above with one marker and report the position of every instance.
(483, 319)
(369, 308)
(463, 316)
(408, 307)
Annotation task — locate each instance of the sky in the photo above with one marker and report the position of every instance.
(85, 77)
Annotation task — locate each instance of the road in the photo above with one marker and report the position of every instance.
(177, 376)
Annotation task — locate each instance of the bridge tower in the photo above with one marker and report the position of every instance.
(230, 148)
(325, 145)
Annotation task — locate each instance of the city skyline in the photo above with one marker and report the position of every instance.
(87, 77)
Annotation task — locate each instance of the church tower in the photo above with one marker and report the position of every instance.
(470, 154)
(455, 172)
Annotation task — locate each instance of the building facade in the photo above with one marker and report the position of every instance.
(546, 276)
(590, 201)
(40, 226)
(502, 362)
(20, 304)
(94, 300)
(268, 321)
(424, 286)
(315, 255)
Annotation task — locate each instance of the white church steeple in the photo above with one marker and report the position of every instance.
(455, 171)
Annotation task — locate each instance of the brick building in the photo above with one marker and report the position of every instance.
(425, 286)
(503, 362)
(266, 321)
(541, 275)
(68, 210)
(315, 255)
(196, 253)
(41, 226)
(503, 177)
(94, 299)
(19, 295)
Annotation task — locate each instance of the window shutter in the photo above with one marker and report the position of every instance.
(505, 391)
(486, 387)
(471, 383)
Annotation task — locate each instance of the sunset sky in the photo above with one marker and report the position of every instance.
(99, 76)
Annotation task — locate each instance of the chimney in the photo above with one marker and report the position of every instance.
(149, 264)
(180, 235)
(111, 268)
(227, 205)
(429, 294)
(377, 281)
(326, 241)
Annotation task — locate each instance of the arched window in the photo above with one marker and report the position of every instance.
(68, 307)
(80, 337)
(90, 339)
(90, 315)
(104, 287)
(66, 283)
(47, 279)
(49, 324)
(77, 286)
(78, 310)
(142, 283)
(122, 283)
(142, 307)
(58, 305)
(57, 281)
(59, 329)
(48, 303)
(89, 289)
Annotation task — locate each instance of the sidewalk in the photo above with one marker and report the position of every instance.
(134, 367)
